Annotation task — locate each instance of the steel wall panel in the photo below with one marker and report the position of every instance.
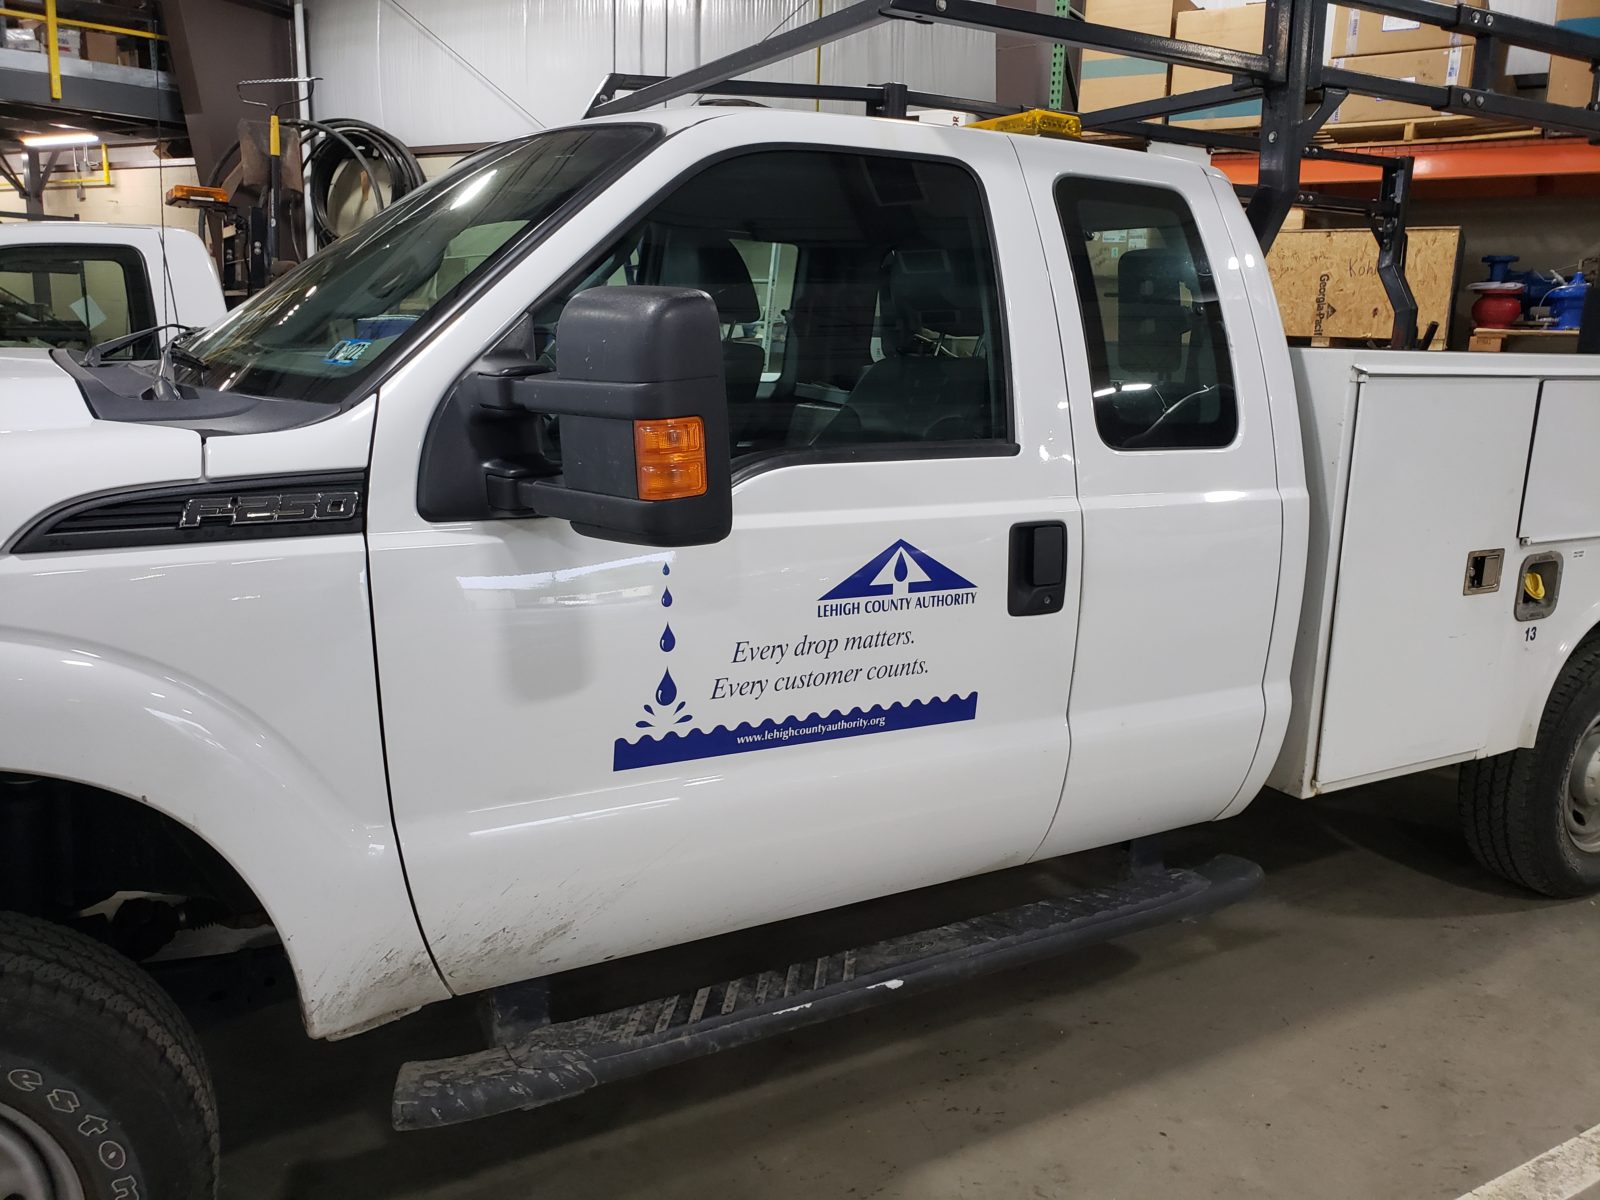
(451, 72)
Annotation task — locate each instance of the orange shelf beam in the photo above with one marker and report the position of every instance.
(1505, 167)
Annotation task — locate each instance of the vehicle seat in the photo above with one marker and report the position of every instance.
(717, 268)
(1152, 318)
(915, 394)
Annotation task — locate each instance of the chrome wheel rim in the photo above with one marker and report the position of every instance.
(1583, 793)
(33, 1165)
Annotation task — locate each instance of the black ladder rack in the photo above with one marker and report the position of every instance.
(1298, 94)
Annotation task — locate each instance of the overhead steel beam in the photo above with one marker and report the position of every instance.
(88, 96)
(1166, 106)
(1468, 101)
(864, 14)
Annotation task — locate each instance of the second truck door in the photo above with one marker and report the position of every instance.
(1183, 520)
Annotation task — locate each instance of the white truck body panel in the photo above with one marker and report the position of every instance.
(184, 677)
(1416, 460)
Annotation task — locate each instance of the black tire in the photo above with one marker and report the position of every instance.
(1515, 807)
(100, 1075)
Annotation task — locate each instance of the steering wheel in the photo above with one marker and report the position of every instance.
(1171, 413)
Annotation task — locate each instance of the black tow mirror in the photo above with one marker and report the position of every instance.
(642, 419)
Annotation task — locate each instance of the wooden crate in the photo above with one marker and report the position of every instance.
(1328, 286)
(1526, 339)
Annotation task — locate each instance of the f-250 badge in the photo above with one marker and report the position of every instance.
(271, 508)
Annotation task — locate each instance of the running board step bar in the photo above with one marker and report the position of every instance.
(561, 1060)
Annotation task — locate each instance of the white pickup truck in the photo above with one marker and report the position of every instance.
(73, 284)
(678, 523)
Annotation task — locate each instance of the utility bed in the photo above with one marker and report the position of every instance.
(1418, 647)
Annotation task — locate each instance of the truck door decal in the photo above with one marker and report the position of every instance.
(901, 579)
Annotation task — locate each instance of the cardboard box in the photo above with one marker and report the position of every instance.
(68, 41)
(1327, 282)
(99, 47)
(1437, 68)
(1109, 80)
(1571, 81)
(1232, 29)
(1356, 32)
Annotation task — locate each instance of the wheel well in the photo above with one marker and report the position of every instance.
(67, 847)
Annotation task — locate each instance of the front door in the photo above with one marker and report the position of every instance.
(597, 749)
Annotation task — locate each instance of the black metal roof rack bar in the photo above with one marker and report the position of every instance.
(1298, 94)
(879, 99)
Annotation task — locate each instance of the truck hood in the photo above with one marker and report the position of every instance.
(52, 449)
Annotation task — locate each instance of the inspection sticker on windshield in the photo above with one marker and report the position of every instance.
(348, 352)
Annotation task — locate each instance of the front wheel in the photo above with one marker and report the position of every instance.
(103, 1091)
(1533, 815)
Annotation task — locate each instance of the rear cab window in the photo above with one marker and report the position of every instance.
(1159, 368)
(70, 297)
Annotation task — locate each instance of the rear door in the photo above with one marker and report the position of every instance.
(1183, 520)
(596, 749)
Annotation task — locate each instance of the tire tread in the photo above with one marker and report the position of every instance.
(81, 980)
(1497, 802)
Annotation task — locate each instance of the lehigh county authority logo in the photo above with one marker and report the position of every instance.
(900, 579)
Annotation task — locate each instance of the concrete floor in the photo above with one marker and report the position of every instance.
(1381, 1020)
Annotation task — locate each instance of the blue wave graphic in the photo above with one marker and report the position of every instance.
(672, 747)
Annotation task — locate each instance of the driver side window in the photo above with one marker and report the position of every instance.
(856, 295)
(1158, 350)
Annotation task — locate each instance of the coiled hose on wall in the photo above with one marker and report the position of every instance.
(330, 146)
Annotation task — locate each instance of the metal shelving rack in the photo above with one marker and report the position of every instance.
(1298, 94)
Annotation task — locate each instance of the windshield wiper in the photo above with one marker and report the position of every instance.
(97, 352)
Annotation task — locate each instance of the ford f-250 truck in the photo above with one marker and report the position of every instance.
(677, 523)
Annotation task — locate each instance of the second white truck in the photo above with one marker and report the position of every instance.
(495, 595)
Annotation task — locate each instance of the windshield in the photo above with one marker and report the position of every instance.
(326, 325)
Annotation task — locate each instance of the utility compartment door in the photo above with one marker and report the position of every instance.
(1436, 474)
(1561, 500)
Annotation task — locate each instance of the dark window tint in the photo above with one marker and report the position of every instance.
(71, 297)
(856, 292)
(1158, 351)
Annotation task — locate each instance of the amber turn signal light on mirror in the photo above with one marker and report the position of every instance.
(670, 456)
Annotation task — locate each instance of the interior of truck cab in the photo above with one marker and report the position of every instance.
(857, 297)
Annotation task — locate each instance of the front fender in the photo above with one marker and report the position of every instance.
(324, 864)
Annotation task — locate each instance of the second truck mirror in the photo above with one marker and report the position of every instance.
(643, 418)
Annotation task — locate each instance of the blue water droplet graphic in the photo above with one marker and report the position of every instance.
(641, 724)
(668, 641)
(666, 569)
(683, 719)
(901, 570)
(666, 597)
(666, 690)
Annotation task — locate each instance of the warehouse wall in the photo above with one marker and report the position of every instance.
(453, 72)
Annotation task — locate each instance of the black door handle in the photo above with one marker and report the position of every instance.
(1038, 568)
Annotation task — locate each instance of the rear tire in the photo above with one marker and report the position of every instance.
(103, 1090)
(1532, 816)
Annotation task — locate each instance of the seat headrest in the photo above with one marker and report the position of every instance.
(717, 268)
(930, 287)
